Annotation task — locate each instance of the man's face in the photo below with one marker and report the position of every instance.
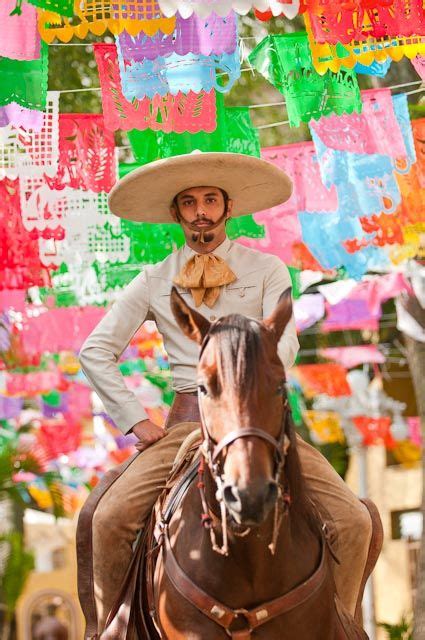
(200, 206)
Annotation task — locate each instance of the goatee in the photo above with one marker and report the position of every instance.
(203, 238)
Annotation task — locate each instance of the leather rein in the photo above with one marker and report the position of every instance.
(212, 608)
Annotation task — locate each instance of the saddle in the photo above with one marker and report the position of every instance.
(133, 616)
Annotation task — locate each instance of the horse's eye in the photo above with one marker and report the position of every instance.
(280, 389)
(202, 388)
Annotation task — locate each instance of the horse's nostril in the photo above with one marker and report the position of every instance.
(231, 497)
(271, 494)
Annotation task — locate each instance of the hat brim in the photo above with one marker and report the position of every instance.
(145, 194)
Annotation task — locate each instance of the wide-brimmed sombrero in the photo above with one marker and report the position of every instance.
(145, 195)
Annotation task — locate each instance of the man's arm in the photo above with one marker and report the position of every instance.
(275, 283)
(100, 353)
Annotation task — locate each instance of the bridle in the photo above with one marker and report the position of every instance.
(211, 452)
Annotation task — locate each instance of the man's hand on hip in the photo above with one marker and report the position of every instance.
(148, 433)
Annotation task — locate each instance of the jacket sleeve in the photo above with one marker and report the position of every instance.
(100, 353)
(275, 283)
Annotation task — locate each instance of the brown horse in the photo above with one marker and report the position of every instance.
(260, 566)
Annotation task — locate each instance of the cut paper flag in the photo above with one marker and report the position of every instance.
(87, 232)
(193, 112)
(366, 182)
(59, 436)
(338, 22)
(375, 430)
(282, 226)
(333, 57)
(368, 189)
(419, 64)
(375, 290)
(32, 152)
(19, 117)
(19, 37)
(325, 426)
(206, 36)
(308, 310)
(205, 8)
(285, 61)
(300, 162)
(86, 154)
(178, 74)
(374, 130)
(335, 292)
(361, 309)
(24, 81)
(352, 314)
(20, 264)
(330, 379)
(234, 133)
(408, 223)
(58, 330)
(288, 8)
(325, 235)
(98, 17)
(32, 384)
(379, 69)
(62, 7)
(308, 278)
(350, 357)
(10, 407)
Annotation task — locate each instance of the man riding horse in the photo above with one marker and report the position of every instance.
(200, 191)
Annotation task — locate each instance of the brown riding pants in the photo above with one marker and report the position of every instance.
(117, 509)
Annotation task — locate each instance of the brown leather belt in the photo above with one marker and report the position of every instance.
(184, 409)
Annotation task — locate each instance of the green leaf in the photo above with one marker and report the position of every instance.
(18, 567)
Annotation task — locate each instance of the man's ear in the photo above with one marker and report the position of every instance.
(281, 314)
(192, 323)
(229, 208)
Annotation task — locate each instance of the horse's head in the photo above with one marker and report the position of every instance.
(241, 383)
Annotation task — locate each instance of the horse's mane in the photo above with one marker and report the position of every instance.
(240, 356)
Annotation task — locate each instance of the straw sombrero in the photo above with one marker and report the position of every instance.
(145, 195)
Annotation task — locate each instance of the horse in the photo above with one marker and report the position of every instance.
(244, 553)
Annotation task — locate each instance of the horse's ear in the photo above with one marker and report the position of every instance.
(281, 314)
(192, 323)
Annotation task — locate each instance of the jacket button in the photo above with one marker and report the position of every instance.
(213, 318)
(242, 293)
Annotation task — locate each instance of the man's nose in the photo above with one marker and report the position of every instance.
(200, 211)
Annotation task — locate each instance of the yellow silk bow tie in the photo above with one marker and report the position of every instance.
(204, 274)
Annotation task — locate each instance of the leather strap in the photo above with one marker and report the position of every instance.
(223, 615)
(179, 491)
(244, 433)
